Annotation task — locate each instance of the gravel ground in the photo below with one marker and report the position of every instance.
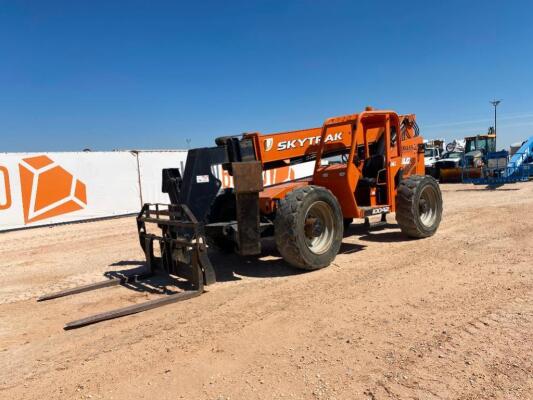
(448, 317)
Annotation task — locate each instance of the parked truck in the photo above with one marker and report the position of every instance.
(433, 150)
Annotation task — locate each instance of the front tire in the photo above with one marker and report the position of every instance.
(224, 209)
(419, 206)
(308, 227)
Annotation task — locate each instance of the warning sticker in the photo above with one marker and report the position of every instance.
(202, 178)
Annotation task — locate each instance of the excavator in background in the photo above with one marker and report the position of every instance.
(365, 165)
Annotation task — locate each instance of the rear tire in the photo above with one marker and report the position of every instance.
(419, 206)
(308, 227)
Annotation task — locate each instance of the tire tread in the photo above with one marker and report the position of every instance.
(286, 229)
(406, 213)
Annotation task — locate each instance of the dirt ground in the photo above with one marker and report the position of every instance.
(449, 317)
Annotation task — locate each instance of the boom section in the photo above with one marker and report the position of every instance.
(286, 148)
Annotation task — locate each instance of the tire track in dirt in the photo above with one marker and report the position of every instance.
(486, 347)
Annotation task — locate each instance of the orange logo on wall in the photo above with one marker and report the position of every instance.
(48, 190)
(5, 200)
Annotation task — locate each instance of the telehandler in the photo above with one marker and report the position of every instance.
(366, 164)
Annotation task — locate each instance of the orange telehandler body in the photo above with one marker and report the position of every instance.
(366, 164)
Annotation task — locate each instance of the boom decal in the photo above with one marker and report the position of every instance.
(308, 141)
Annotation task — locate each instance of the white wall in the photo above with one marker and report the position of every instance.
(150, 165)
(47, 188)
(39, 186)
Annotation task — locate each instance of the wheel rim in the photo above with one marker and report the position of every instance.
(319, 227)
(427, 207)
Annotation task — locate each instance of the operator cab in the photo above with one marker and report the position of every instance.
(383, 148)
(372, 186)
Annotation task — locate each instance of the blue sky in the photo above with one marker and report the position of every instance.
(150, 74)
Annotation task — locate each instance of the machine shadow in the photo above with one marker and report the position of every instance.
(123, 263)
(269, 264)
(231, 266)
(376, 234)
(155, 284)
(385, 237)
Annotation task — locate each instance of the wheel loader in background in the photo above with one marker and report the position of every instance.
(366, 164)
(469, 164)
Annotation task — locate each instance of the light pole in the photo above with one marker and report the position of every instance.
(495, 104)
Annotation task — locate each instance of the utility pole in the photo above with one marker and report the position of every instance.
(495, 104)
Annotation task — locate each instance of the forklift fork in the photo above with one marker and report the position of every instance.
(183, 254)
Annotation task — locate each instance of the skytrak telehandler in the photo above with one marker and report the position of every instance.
(366, 164)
